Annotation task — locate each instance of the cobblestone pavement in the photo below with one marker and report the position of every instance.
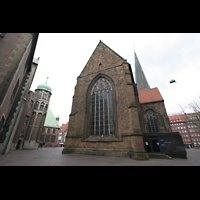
(52, 156)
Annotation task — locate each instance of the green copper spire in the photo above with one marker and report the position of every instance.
(44, 86)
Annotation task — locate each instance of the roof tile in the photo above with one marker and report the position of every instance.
(150, 95)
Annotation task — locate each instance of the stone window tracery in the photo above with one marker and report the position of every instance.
(152, 124)
(102, 108)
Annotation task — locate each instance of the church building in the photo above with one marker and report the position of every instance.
(112, 115)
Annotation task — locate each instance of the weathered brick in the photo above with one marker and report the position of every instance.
(105, 63)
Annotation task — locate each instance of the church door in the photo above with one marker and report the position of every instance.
(152, 145)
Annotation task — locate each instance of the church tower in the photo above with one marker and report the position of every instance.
(140, 77)
(39, 102)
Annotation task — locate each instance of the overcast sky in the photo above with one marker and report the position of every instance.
(163, 56)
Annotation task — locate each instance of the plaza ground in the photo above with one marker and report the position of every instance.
(52, 156)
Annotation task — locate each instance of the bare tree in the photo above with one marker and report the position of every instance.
(193, 116)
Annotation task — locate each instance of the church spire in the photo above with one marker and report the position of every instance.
(47, 79)
(141, 80)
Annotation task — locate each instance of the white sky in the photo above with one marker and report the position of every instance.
(163, 56)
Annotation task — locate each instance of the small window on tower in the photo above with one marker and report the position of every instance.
(31, 103)
(26, 119)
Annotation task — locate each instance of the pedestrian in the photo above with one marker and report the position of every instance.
(40, 145)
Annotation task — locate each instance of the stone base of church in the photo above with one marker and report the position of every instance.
(115, 148)
(108, 152)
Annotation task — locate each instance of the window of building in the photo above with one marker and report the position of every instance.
(43, 129)
(151, 120)
(53, 138)
(14, 91)
(2, 122)
(102, 108)
(54, 131)
(26, 118)
(31, 103)
(48, 130)
(47, 138)
(42, 138)
(185, 131)
(41, 106)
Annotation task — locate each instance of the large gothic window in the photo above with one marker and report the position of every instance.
(102, 108)
(151, 120)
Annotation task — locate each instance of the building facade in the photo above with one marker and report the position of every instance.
(50, 131)
(17, 69)
(111, 116)
(157, 134)
(187, 128)
(63, 133)
(104, 119)
(33, 116)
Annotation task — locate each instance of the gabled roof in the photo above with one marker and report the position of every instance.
(150, 95)
(50, 120)
(111, 49)
(96, 59)
(64, 127)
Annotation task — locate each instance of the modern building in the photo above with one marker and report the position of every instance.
(17, 70)
(188, 129)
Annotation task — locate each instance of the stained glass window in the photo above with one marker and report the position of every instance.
(102, 108)
(151, 120)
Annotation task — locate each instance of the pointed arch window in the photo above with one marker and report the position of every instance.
(151, 120)
(102, 108)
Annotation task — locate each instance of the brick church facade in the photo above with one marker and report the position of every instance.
(107, 117)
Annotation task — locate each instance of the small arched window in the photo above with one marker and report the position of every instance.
(102, 108)
(42, 106)
(151, 120)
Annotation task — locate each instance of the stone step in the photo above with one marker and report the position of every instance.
(159, 156)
